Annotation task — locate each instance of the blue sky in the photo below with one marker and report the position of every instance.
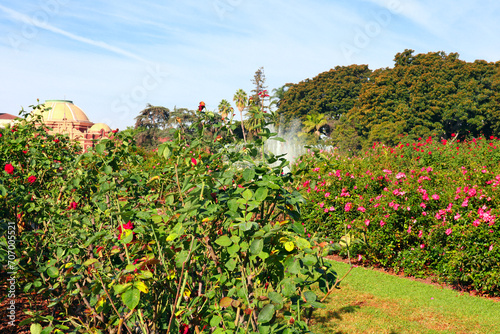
(111, 58)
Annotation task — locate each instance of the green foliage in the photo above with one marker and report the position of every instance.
(426, 94)
(331, 93)
(150, 124)
(199, 237)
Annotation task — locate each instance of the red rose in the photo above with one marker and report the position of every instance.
(73, 205)
(9, 168)
(32, 179)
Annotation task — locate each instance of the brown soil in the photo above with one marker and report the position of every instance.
(22, 303)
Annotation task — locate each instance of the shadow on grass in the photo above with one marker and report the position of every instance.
(323, 319)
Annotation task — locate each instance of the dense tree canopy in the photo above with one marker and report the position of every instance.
(428, 94)
(150, 123)
(332, 93)
(425, 94)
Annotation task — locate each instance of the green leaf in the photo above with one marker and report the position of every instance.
(303, 243)
(108, 169)
(119, 288)
(233, 205)
(224, 241)
(215, 321)
(3, 191)
(266, 314)
(231, 264)
(131, 298)
(166, 152)
(289, 288)
(157, 219)
(261, 194)
(309, 260)
(316, 304)
(294, 268)
(249, 174)
(47, 330)
(169, 200)
(256, 246)
(247, 194)
(100, 148)
(233, 249)
(53, 272)
(263, 255)
(275, 297)
(90, 261)
(36, 329)
(310, 296)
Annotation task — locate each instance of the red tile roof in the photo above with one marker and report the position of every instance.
(7, 116)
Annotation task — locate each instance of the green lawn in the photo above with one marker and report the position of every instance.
(374, 302)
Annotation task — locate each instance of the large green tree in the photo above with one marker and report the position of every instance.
(150, 123)
(427, 94)
(332, 93)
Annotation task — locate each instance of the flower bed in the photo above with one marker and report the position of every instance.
(426, 207)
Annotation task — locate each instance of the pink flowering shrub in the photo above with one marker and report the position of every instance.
(430, 213)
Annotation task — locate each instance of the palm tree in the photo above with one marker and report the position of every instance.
(315, 123)
(224, 109)
(256, 120)
(278, 95)
(240, 98)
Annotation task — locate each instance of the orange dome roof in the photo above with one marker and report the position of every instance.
(63, 109)
(97, 127)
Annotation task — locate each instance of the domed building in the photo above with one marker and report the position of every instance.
(65, 117)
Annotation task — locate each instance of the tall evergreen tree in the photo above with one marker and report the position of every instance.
(258, 80)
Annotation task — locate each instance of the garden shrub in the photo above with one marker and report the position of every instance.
(200, 238)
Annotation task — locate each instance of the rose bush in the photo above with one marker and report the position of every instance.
(199, 238)
(427, 207)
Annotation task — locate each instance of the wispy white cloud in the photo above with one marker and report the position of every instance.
(18, 16)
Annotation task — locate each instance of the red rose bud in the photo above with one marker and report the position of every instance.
(193, 161)
(32, 179)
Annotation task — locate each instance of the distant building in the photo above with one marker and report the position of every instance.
(66, 118)
(7, 119)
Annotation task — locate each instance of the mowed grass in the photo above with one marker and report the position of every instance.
(375, 302)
